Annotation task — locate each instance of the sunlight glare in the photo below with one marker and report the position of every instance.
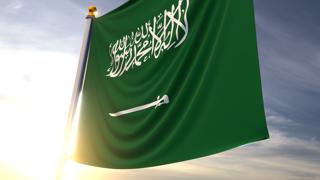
(34, 99)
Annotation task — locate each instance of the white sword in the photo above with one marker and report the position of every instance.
(157, 103)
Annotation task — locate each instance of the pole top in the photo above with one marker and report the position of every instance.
(92, 11)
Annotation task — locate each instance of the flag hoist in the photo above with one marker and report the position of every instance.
(77, 88)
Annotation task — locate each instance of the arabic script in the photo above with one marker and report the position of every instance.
(164, 31)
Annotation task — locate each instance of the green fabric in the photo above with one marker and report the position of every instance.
(199, 57)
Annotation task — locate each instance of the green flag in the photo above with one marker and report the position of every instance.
(168, 81)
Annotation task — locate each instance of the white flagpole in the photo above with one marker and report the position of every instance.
(78, 85)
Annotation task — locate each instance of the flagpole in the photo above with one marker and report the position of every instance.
(77, 88)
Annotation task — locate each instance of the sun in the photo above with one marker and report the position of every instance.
(35, 94)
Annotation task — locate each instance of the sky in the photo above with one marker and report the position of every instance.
(40, 43)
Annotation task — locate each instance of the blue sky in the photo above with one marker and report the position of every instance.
(39, 47)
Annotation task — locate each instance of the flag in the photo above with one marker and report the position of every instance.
(168, 81)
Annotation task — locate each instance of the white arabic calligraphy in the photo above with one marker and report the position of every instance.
(164, 31)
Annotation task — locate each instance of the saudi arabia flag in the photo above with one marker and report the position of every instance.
(168, 81)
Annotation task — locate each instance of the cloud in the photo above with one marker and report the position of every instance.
(13, 7)
(42, 25)
(289, 46)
